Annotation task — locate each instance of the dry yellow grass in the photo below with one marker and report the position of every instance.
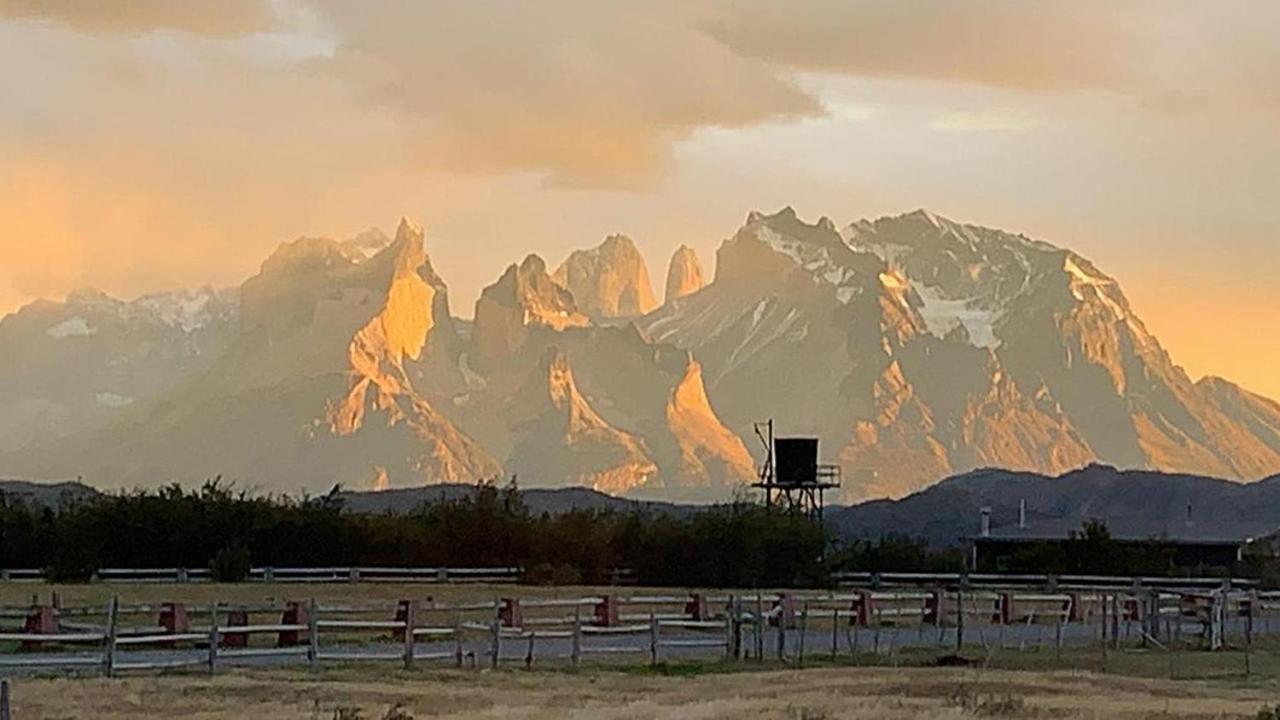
(833, 694)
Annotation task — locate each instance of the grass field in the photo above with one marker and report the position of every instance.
(818, 694)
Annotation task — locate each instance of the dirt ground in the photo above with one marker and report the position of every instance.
(819, 694)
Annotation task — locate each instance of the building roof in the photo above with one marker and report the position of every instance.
(1203, 532)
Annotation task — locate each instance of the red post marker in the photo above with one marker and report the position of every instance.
(696, 608)
(510, 613)
(235, 618)
(295, 613)
(42, 620)
(174, 620)
(607, 611)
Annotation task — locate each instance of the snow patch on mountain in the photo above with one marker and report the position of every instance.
(1080, 279)
(815, 259)
(113, 400)
(187, 310)
(943, 315)
(71, 327)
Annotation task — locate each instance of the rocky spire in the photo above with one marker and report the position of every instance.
(609, 281)
(684, 274)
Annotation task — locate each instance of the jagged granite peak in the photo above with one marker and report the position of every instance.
(410, 301)
(413, 306)
(398, 331)
(684, 274)
(524, 297)
(565, 441)
(609, 281)
(409, 229)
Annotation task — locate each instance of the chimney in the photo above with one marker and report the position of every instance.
(1022, 513)
(985, 527)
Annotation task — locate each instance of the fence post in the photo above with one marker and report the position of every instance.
(410, 622)
(804, 630)
(457, 641)
(313, 635)
(1248, 633)
(213, 639)
(497, 634)
(758, 625)
(959, 620)
(1115, 621)
(1253, 604)
(4, 700)
(109, 649)
(835, 634)
(1062, 614)
(737, 628)
(782, 634)
(575, 651)
(653, 639)
(728, 630)
(1104, 632)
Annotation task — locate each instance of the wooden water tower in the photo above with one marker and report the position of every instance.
(791, 476)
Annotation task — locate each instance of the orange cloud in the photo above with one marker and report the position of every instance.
(223, 18)
(139, 160)
(1019, 44)
(593, 94)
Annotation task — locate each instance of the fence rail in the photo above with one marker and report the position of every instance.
(890, 579)
(514, 575)
(290, 575)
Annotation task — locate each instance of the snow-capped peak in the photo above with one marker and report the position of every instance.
(186, 310)
(815, 258)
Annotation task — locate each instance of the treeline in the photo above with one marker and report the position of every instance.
(736, 545)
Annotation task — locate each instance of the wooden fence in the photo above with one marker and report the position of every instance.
(414, 630)
(646, 628)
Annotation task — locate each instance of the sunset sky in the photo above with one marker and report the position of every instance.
(149, 145)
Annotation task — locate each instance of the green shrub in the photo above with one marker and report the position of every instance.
(71, 563)
(231, 564)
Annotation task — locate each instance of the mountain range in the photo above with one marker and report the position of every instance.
(914, 347)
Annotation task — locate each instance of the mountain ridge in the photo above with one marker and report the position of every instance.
(913, 346)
